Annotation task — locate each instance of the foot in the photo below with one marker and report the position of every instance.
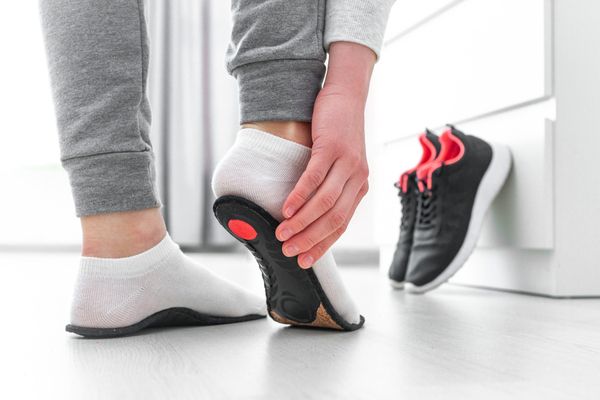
(159, 287)
(263, 169)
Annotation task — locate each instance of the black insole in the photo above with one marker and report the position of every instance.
(292, 292)
(177, 316)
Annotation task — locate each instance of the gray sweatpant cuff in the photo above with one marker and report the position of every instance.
(113, 182)
(279, 90)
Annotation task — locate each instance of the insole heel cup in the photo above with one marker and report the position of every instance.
(294, 295)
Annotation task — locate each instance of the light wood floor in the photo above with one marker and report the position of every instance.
(455, 343)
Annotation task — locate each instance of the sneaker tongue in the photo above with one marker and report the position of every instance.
(452, 150)
(424, 174)
(430, 146)
(434, 140)
(404, 181)
(452, 146)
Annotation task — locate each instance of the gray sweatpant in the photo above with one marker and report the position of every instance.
(98, 62)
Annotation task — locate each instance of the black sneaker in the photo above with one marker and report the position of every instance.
(408, 193)
(456, 191)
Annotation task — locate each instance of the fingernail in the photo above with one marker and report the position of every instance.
(289, 212)
(285, 234)
(307, 262)
(290, 251)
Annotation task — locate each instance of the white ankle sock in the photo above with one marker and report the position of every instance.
(118, 292)
(264, 168)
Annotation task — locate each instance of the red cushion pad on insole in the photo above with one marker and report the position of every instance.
(242, 229)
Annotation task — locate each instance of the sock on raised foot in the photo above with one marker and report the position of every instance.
(120, 292)
(264, 168)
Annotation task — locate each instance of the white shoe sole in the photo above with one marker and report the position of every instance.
(490, 186)
(396, 285)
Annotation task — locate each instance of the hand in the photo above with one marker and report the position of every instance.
(323, 201)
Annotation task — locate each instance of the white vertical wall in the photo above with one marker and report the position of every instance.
(577, 195)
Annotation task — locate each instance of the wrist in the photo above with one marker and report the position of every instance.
(349, 68)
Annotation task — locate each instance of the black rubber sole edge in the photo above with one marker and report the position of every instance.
(171, 317)
(273, 223)
(337, 318)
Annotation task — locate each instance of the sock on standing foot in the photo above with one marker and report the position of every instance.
(119, 292)
(264, 168)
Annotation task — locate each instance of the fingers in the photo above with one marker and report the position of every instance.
(319, 204)
(316, 171)
(307, 259)
(318, 237)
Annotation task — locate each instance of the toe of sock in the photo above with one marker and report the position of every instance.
(244, 302)
(257, 305)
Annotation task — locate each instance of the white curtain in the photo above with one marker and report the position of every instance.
(195, 111)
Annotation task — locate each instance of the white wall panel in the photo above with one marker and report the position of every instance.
(406, 14)
(522, 215)
(476, 57)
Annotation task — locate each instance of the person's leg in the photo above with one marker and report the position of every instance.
(130, 269)
(276, 54)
